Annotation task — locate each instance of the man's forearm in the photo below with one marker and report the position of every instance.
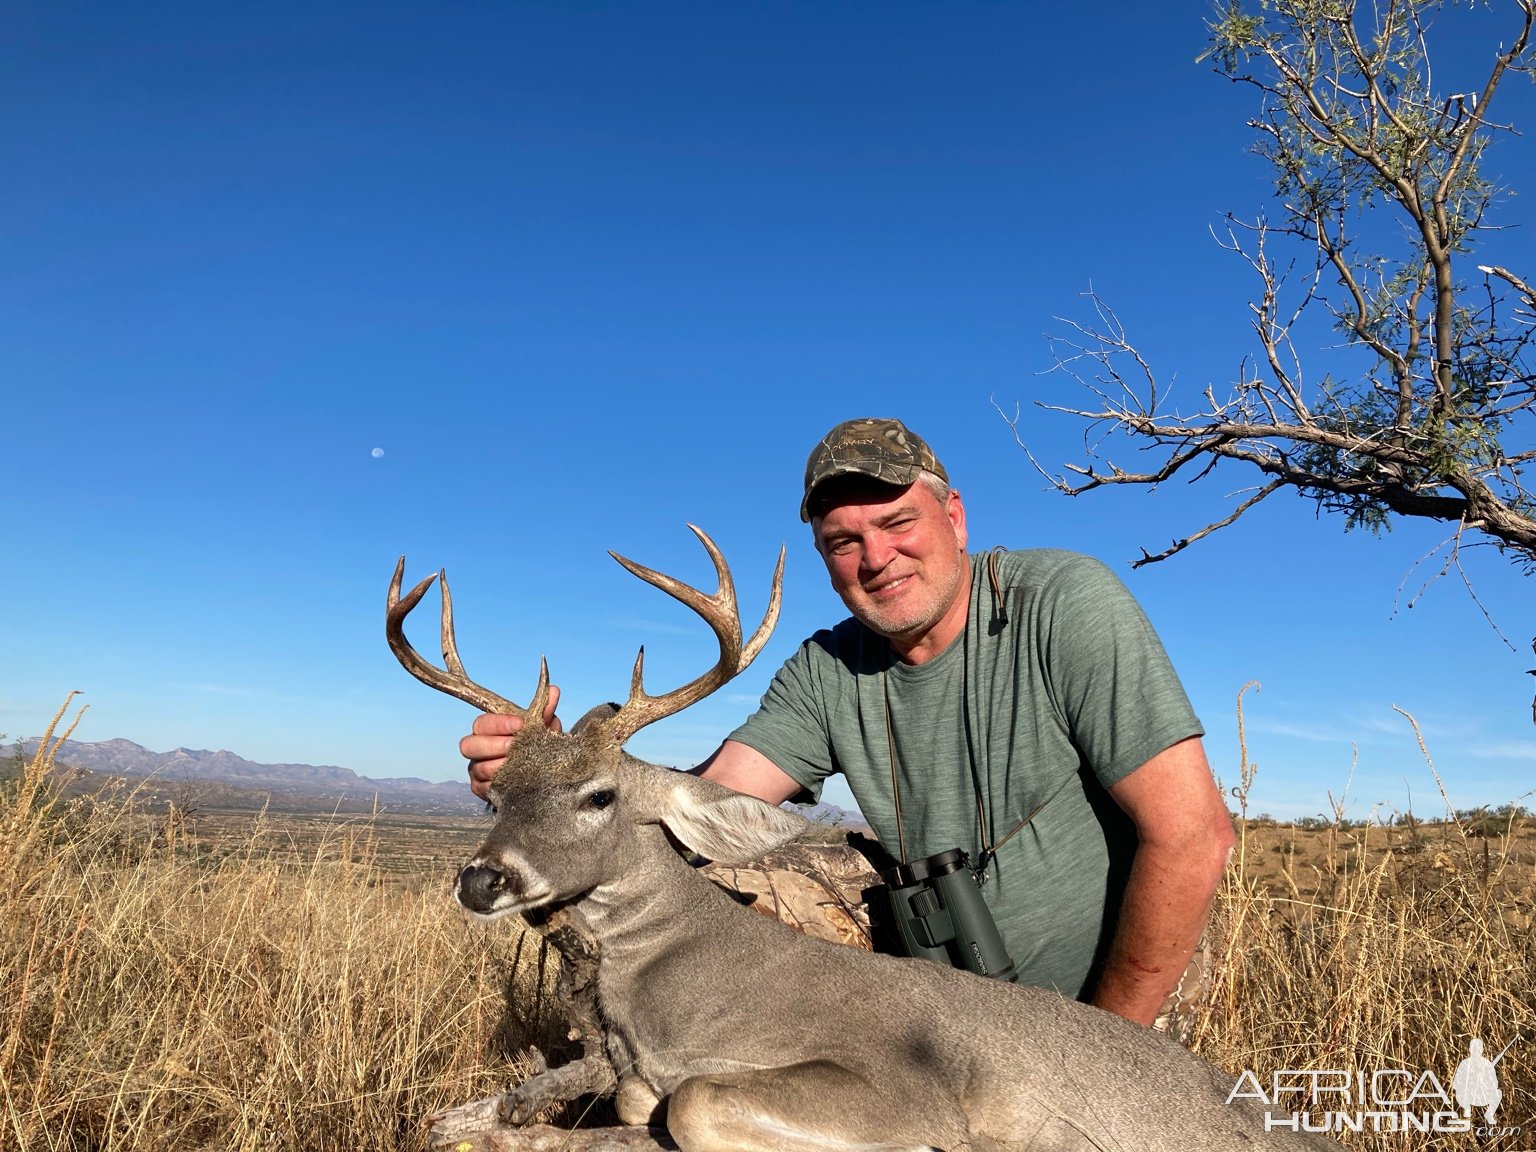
(1165, 909)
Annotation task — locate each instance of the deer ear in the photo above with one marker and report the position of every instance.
(726, 826)
(595, 715)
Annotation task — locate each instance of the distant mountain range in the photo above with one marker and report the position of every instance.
(125, 758)
(309, 782)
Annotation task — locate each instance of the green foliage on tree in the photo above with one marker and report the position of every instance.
(1384, 225)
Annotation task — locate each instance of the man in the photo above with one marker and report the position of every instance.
(1014, 704)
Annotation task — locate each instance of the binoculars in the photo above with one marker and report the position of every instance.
(939, 915)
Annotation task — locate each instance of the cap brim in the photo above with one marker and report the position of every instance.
(894, 475)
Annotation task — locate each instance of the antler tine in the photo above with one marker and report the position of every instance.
(453, 680)
(770, 618)
(721, 612)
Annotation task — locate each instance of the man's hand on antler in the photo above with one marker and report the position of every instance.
(488, 742)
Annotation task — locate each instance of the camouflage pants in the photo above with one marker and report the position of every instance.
(1177, 1015)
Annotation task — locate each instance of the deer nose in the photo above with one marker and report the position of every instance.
(479, 886)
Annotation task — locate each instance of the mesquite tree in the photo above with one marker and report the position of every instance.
(1420, 400)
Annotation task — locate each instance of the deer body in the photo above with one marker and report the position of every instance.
(748, 1037)
(760, 1038)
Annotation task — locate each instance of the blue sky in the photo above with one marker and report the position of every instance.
(587, 272)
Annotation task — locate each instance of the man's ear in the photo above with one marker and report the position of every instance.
(954, 509)
(723, 825)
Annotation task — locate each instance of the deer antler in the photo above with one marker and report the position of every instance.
(452, 678)
(722, 614)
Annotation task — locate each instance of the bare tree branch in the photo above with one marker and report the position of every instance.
(1452, 544)
(1180, 545)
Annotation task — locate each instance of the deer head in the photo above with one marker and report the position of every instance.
(575, 811)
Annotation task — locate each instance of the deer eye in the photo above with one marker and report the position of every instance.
(601, 798)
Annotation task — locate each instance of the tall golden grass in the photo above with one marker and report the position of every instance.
(1387, 946)
(156, 996)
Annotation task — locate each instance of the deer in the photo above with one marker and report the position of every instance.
(735, 1032)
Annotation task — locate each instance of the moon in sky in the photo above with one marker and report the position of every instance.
(377, 453)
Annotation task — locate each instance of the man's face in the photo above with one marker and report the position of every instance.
(896, 557)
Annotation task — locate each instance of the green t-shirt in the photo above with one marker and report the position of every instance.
(1053, 706)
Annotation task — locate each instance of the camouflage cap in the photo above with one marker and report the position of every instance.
(885, 450)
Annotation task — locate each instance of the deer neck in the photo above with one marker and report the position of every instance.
(654, 903)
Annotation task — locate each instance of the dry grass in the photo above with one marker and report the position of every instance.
(1362, 946)
(157, 998)
(161, 991)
